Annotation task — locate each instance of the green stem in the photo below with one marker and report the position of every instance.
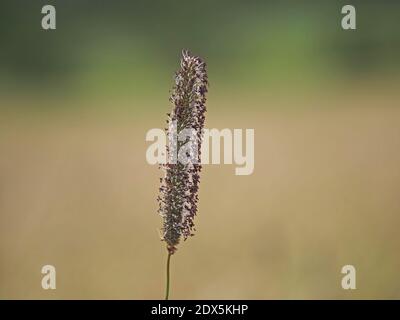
(167, 287)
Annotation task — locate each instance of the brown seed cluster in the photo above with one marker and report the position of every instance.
(179, 187)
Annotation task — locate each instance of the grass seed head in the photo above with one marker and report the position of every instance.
(179, 187)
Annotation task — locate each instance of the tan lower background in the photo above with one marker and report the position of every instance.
(77, 193)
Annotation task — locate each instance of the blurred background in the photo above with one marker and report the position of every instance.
(76, 191)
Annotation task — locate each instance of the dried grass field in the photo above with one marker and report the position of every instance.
(76, 192)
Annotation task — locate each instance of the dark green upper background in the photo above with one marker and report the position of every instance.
(132, 47)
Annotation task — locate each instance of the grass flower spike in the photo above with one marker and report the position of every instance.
(179, 187)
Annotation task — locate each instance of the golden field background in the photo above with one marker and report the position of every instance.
(76, 192)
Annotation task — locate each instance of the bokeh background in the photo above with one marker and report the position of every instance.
(76, 191)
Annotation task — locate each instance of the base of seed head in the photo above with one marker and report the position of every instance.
(171, 249)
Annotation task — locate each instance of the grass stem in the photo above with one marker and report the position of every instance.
(167, 286)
